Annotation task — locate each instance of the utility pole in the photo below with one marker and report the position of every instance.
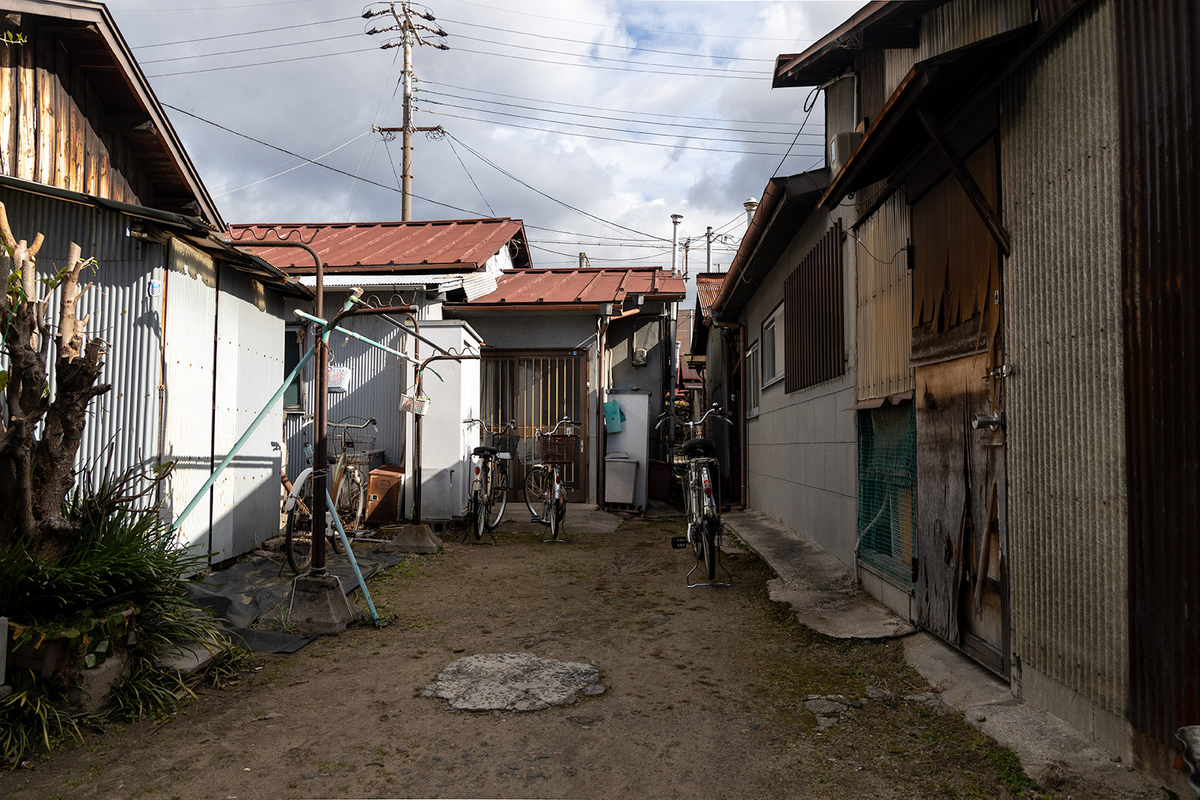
(708, 237)
(403, 14)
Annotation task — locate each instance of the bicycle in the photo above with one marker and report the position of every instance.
(489, 486)
(347, 484)
(544, 487)
(701, 472)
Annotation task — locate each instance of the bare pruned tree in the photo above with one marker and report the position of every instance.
(37, 470)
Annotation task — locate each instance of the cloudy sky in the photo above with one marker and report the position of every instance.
(591, 120)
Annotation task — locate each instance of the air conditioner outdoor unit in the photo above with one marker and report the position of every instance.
(841, 148)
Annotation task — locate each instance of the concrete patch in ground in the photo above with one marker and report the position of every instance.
(512, 682)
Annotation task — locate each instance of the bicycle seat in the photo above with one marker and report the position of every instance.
(484, 450)
(699, 448)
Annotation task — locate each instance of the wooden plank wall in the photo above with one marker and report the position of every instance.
(52, 127)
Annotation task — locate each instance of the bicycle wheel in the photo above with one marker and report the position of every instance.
(537, 490)
(710, 546)
(480, 502)
(352, 499)
(297, 536)
(551, 515)
(498, 500)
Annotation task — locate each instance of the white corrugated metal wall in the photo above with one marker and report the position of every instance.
(1066, 427)
(189, 301)
(250, 341)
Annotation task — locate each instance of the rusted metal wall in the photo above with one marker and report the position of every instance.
(52, 125)
(124, 422)
(951, 26)
(1158, 78)
(249, 370)
(884, 302)
(1062, 287)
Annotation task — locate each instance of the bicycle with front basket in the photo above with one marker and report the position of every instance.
(545, 491)
(701, 479)
(489, 486)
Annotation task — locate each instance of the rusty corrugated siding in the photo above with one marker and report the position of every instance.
(1159, 95)
(963, 22)
(396, 245)
(1065, 405)
(884, 302)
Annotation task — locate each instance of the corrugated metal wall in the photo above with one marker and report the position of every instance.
(1066, 421)
(249, 370)
(1159, 90)
(884, 316)
(956, 24)
(190, 303)
(123, 313)
(377, 381)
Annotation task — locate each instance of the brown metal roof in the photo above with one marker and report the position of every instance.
(464, 244)
(580, 287)
(708, 288)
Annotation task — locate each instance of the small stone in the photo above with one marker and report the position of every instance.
(981, 717)
(856, 704)
(595, 690)
(406, 771)
(543, 757)
(878, 693)
(754, 726)
(437, 758)
(533, 773)
(824, 706)
(310, 775)
(1115, 759)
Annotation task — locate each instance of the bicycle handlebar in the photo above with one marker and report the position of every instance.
(371, 421)
(716, 410)
(507, 426)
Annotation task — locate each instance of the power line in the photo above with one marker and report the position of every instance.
(317, 163)
(788, 125)
(261, 63)
(605, 44)
(688, 136)
(250, 49)
(566, 205)
(624, 28)
(456, 37)
(242, 33)
(604, 116)
(677, 74)
(453, 149)
(609, 138)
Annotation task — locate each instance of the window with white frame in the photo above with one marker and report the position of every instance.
(753, 380)
(772, 347)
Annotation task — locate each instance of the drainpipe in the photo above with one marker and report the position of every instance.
(601, 391)
(743, 467)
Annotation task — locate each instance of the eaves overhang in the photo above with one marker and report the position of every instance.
(884, 24)
(937, 88)
(786, 205)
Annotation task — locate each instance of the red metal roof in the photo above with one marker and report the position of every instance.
(583, 286)
(392, 246)
(708, 287)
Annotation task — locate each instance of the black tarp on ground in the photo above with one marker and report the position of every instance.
(248, 591)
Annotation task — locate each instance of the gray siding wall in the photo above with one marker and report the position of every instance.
(802, 451)
(1066, 426)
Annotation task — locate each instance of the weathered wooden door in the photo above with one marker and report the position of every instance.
(958, 350)
(535, 389)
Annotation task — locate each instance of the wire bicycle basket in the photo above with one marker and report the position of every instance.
(506, 442)
(414, 403)
(359, 445)
(557, 449)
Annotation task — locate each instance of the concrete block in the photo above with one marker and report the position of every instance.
(319, 605)
(410, 539)
(189, 659)
(89, 690)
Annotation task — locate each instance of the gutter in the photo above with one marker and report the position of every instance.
(768, 207)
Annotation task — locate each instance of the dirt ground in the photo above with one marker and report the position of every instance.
(705, 692)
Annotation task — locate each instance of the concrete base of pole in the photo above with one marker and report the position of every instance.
(319, 605)
(410, 539)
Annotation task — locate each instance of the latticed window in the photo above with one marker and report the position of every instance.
(887, 489)
(813, 317)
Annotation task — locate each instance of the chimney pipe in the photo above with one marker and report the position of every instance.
(751, 206)
(675, 220)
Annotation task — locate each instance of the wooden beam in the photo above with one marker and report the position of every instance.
(942, 142)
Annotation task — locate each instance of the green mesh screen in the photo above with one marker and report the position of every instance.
(887, 489)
